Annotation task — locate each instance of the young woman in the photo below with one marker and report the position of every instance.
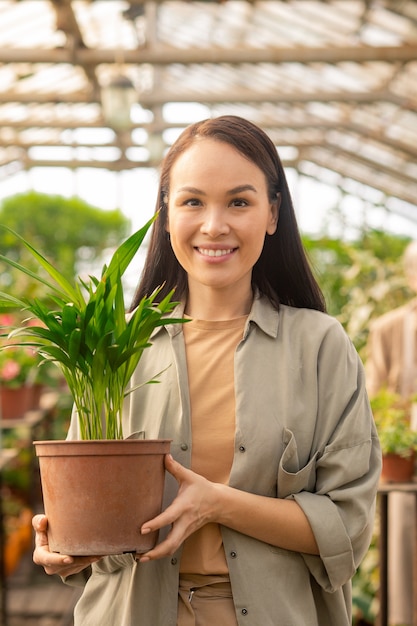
(275, 461)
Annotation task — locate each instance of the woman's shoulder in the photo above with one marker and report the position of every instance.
(308, 317)
(314, 330)
(301, 324)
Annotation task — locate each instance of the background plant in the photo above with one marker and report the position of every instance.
(17, 366)
(361, 279)
(74, 233)
(392, 414)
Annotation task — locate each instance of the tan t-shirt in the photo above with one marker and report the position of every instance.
(210, 348)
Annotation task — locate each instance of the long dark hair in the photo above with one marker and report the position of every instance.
(282, 272)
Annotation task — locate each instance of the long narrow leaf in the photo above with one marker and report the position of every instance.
(125, 253)
(52, 271)
(7, 300)
(31, 274)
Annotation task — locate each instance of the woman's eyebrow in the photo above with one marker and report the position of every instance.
(190, 190)
(238, 189)
(241, 188)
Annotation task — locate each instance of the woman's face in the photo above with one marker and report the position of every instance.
(218, 215)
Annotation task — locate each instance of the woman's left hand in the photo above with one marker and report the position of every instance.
(193, 507)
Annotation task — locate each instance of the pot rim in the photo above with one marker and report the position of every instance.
(105, 447)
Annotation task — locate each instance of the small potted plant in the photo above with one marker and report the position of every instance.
(392, 414)
(86, 333)
(22, 380)
(17, 367)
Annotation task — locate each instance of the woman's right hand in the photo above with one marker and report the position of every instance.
(52, 562)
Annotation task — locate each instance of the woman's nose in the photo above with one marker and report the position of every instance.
(215, 222)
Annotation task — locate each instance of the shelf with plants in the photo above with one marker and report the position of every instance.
(17, 529)
(6, 456)
(20, 491)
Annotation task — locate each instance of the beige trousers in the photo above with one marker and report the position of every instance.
(205, 600)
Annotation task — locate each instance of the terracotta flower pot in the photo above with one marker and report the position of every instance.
(97, 494)
(14, 402)
(397, 469)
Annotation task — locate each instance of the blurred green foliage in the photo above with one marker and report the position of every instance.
(69, 232)
(361, 279)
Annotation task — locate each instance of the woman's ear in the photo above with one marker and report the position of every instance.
(273, 222)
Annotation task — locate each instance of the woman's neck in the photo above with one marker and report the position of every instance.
(213, 305)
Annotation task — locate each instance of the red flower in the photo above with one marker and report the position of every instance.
(10, 370)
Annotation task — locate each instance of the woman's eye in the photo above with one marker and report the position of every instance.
(239, 202)
(192, 202)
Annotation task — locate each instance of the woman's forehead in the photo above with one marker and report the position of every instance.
(208, 157)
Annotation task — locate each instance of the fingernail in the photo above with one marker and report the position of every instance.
(145, 531)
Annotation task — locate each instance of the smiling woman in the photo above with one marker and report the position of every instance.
(263, 397)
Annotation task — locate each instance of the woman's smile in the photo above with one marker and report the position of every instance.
(215, 253)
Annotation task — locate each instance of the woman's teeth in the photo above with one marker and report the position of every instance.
(207, 252)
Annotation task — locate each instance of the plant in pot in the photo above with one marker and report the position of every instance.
(83, 329)
(392, 414)
(17, 366)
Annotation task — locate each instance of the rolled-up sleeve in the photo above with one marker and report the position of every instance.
(341, 508)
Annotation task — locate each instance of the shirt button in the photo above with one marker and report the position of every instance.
(173, 561)
(233, 554)
(244, 611)
(242, 449)
(184, 446)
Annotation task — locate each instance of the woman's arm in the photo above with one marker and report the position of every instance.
(276, 521)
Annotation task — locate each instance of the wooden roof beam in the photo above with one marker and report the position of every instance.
(159, 97)
(166, 55)
(67, 23)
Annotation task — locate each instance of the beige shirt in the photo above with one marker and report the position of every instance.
(304, 431)
(392, 351)
(210, 349)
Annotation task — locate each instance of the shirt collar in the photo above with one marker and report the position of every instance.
(262, 313)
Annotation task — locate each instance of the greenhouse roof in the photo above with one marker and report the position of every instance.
(334, 83)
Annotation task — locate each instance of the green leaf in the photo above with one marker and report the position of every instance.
(74, 345)
(7, 300)
(69, 317)
(54, 273)
(125, 253)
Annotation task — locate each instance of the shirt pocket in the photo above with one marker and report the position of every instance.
(291, 477)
